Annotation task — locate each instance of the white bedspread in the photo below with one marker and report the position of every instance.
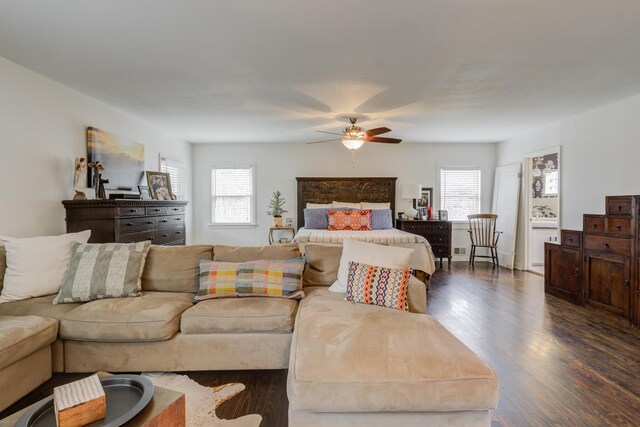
(422, 258)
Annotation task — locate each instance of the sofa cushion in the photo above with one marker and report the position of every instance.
(174, 268)
(361, 358)
(107, 270)
(251, 253)
(231, 315)
(154, 316)
(322, 262)
(21, 336)
(40, 306)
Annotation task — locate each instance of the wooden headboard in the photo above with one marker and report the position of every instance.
(327, 190)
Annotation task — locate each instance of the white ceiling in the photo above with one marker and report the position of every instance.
(276, 70)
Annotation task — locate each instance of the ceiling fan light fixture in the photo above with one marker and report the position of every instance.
(352, 144)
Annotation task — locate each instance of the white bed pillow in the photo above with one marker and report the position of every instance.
(36, 265)
(375, 206)
(350, 205)
(368, 253)
(319, 205)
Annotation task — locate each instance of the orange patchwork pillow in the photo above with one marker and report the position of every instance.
(355, 220)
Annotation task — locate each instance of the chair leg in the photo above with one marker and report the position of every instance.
(472, 256)
(494, 256)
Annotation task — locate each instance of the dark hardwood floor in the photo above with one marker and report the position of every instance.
(558, 364)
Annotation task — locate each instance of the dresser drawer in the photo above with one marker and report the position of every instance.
(172, 221)
(142, 236)
(131, 211)
(613, 245)
(570, 238)
(594, 224)
(130, 225)
(157, 210)
(170, 235)
(175, 209)
(619, 205)
(619, 227)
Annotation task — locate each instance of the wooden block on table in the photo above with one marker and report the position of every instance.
(80, 402)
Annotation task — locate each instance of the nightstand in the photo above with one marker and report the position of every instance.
(289, 229)
(438, 233)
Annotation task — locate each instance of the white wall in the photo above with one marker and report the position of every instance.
(600, 152)
(277, 166)
(42, 129)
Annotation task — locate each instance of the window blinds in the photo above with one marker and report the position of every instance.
(232, 195)
(460, 192)
(177, 174)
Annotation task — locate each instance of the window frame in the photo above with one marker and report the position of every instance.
(463, 168)
(254, 197)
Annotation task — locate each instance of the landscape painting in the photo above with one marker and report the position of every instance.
(122, 158)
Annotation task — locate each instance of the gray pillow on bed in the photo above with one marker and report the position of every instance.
(318, 219)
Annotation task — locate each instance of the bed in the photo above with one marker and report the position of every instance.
(371, 190)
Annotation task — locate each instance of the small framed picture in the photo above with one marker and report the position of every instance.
(425, 200)
(159, 185)
(443, 215)
(144, 192)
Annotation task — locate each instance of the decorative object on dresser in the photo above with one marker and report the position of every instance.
(126, 221)
(563, 267)
(160, 185)
(438, 233)
(426, 198)
(80, 178)
(610, 263)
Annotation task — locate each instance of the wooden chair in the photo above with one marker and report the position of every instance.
(483, 234)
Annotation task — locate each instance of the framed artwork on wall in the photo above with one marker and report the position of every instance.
(425, 200)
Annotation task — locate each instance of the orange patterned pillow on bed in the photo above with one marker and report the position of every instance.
(355, 220)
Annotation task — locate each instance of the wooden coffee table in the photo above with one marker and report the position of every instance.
(166, 408)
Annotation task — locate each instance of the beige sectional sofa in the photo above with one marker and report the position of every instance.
(348, 364)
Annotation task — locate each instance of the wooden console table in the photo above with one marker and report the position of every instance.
(125, 221)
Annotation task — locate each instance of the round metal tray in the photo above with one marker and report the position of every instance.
(126, 396)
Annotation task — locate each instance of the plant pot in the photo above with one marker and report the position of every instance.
(277, 221)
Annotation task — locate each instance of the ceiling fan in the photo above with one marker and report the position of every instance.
(353, 137)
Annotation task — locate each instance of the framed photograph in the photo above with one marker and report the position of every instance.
(144, 192)
(443, 215)
(425, 200)
(159, 185)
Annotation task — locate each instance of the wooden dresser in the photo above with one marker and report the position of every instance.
(438, 233)
(608, 267)
(124, 221)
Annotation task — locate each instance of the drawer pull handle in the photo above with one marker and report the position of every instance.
(627, 284)
(178, 232)
(576, 273)
(129, 224)
(176, 209)
(570, 240)
(157, 210)
(618, 227)
(606, 245)
(178, 219)
(165, 235)
(150, 238)
(165, 220)
(133, 210)
(149, 222)
(595, 226)
(619, 208)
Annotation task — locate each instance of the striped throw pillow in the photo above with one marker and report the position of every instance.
(386, 287)
(355, 220)
(97, 271)
(264, 278)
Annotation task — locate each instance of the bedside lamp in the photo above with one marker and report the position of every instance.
(410, 192)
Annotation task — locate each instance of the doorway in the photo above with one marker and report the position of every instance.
(542, 176)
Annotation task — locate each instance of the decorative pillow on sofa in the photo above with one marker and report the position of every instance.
(108, 270)
(386, 287)
(265, 278)
(354, 220)
(35, 266)
(368, 253)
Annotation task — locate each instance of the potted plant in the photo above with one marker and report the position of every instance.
(275, 208)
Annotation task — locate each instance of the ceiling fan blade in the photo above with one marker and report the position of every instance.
(330, 133)
(324, 140)
(377, 131)
(384, 140)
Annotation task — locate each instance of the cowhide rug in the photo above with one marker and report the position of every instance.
(201, 402)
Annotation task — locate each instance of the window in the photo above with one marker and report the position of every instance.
(233, 195)
(460, 192)
(177, 174)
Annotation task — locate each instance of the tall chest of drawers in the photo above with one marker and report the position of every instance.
(124, 221)
(438, 233)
